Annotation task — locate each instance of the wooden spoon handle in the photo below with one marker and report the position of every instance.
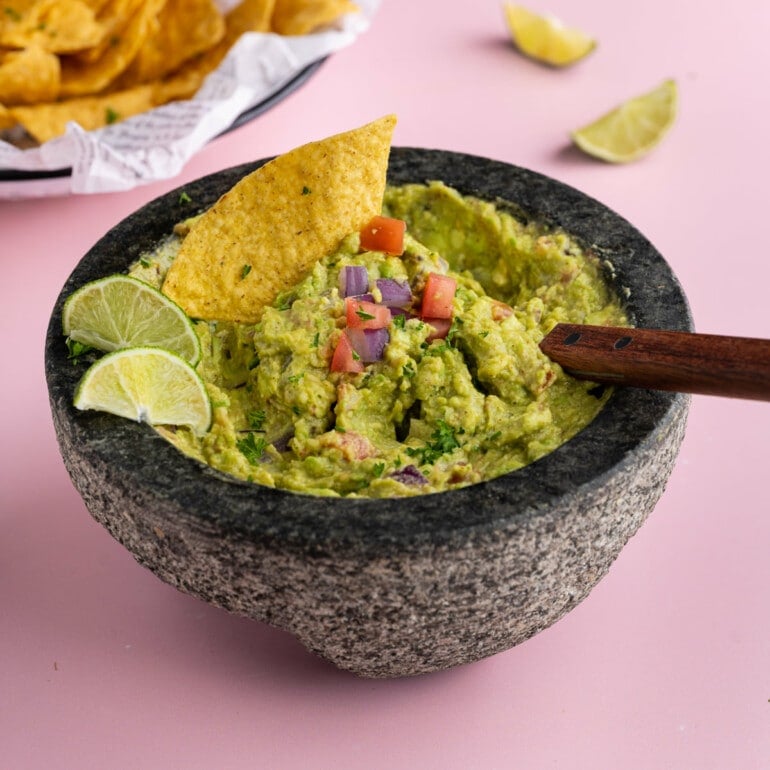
(713, 364)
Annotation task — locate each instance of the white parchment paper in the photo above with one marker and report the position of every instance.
(156, 144)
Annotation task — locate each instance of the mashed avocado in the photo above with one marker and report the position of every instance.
(431, 413)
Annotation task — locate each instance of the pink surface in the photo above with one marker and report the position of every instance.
(666, 664)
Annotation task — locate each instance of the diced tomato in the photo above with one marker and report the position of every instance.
(439, 328)
(438, 296)
(343, 359)
(500, 310)
(361, 314)
(384, 234)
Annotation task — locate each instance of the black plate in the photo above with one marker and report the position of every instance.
(14, 175)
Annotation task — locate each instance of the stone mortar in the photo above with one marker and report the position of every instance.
(387, 588)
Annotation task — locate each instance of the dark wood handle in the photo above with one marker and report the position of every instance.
(712, 364)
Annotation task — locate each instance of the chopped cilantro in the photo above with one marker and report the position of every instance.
(378, 468)
(252, 447)
(296, 410)
(184, 197)
(407, 370)
(314, 343)
(296, 377)
(254, 363)
(339, 429)
(283, 302)
(145, 261)
(76, 349)
(442, 441)
(483, 334)
(363, 315)
(399, 321)
(356, 357)
(245, 270)
(457, 322)
(496, 435)
(110, 115)
(256, 419)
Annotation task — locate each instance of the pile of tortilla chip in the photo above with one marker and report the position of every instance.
(100, 61)
(265, 233)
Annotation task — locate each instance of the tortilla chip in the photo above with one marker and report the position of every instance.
(278, 221)
(300, 17)
(58, 26)
(28, 76)
(46, 121)
(186, 28)
(78, 78)
(6, 119)
(249, 16)
(113, 16)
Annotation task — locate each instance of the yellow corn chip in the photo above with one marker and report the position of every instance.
(265, 233)
(6, 119)
(113, 17)
(59, 26)
(78, 78)
(186, 28)
(28, 76)
(46, 121)
(300, 17)
(249, 16)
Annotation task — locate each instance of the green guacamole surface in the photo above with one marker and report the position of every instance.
(431, 415)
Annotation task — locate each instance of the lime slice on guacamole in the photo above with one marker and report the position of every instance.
(148, 385)
(633, 128)
(544, 38)
(119, 312)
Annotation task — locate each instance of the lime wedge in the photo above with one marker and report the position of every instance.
(632, 129)
(148, 385)
(119, 312)
(545, 38)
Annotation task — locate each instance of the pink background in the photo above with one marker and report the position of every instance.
(666, 664)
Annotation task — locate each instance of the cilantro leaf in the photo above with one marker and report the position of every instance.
(443, 440)
(252, 447)
(256, 418)
(77, 349)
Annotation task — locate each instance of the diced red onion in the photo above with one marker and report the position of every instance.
(409, 475)
(364, 297)
(394, 293)
(282, 443)
(353, 280)
(368, 343)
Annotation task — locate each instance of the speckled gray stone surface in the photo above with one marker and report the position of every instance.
(387, 588)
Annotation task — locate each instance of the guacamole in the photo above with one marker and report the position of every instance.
(435, 406)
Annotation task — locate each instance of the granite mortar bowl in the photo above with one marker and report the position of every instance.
(403, 586)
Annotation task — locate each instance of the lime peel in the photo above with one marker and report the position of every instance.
(119, 311)
(631, 129)
(149, 385)
(545, 38)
